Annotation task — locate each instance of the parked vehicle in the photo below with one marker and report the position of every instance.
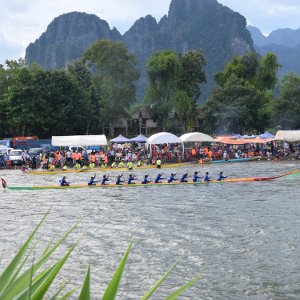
(35, 151)
(15, 156)
(5, 150)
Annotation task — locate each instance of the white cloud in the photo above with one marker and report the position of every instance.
(9, 49)
(23, 21)
(268, 15)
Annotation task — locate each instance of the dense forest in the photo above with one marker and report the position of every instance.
(98, 89)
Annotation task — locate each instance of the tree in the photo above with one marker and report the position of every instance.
(162, 71)
(115, 75)
(191, 73)
(241, 100)
(171, 76)
(267, 70)
(244, 68)
(233, 108)
(86, 103)
(183, 108)
(19, 99)
(286, 108)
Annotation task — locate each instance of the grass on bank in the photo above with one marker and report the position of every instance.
(23, 283)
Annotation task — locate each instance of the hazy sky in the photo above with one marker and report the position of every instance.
(23, 21)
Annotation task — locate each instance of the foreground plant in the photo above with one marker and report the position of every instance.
(19, 282)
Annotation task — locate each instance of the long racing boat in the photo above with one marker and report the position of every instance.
(233, 160)
(108, 169)
(177, 183)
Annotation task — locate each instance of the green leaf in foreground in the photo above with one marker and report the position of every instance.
(85, 293)
(159, 282)
(180, 290)
(112, 289)
(11, 270)
(18, 285)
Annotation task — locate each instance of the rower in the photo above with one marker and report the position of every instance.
(92, 181)
(184, 177)
(91, 165)
(65, 168)
(119, 180)
(159, 178)
(221, 177)
(77, 166)
(172, 178)
(207, 177)
(105, 179)
(121, 164)
(63, 182)
(114, 165)
(158, 163)
(52, 168)
(145, 180)
(139, 163)
(131, 179)
(103, 165)
(196, 178)
(129, 165)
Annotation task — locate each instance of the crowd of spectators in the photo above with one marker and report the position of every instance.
(118, 155)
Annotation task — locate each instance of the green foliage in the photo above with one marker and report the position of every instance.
(286, 107)
(241, 101)
(34, 282)
(162, 71)
(85, 293)
(183, 108)
(174, 85)
(191, 73)
(89, 95)
(115, 75)
(45, 103)
(266, 75)
(233, 108)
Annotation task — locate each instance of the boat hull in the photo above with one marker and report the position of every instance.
(78, 186)
(235, 160)
(107, 169)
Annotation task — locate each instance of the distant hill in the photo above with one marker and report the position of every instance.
(282, 37)
(66, 38)
(190, 24)
(285, 43)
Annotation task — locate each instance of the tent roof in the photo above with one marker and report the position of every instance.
(79, 140)
(267, 135)
(164, 138)
(196, 137)
(288, 135)
(120, 139)
(236, 136)
(139, 139)
(229, 140)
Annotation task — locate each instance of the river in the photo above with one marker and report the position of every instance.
(243, 238)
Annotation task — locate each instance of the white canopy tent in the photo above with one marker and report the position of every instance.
(196, 137)
(79, 140)
(288, 135)
(163, 138)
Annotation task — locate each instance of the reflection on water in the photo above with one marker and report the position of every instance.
(244, 238)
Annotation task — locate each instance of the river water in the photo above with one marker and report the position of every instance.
(243, 238)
